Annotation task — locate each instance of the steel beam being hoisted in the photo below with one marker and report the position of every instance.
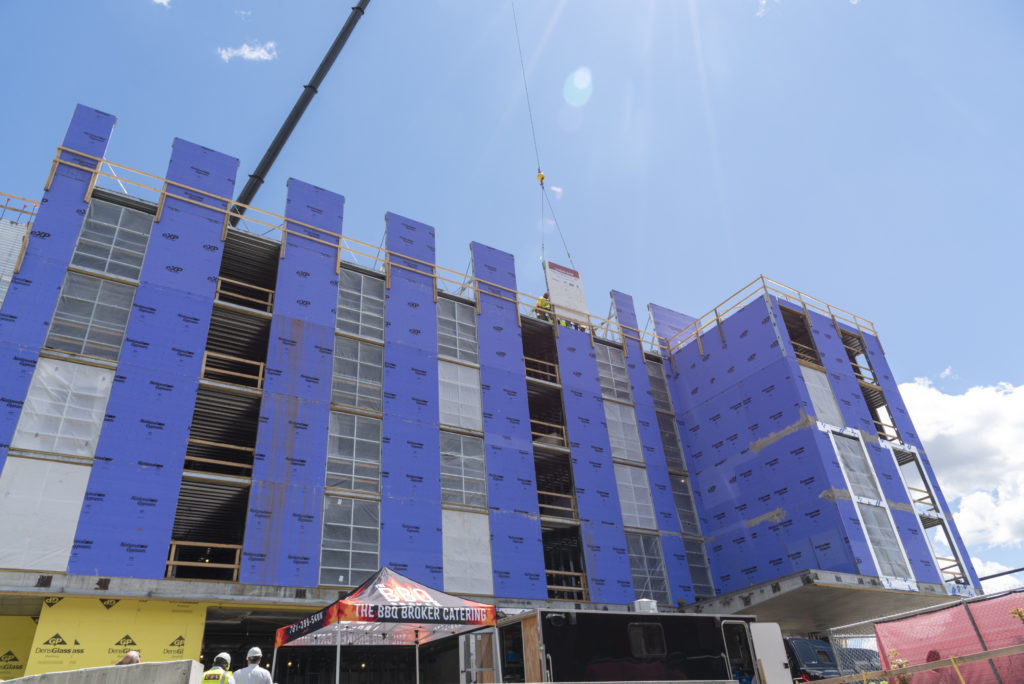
(257, 177)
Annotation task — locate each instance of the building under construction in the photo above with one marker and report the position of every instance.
(201, 422)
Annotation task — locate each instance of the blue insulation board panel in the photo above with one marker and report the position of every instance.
(668, 323)
(167, 330)
(125, 529)
(410, 535)
(515, 541)
(62, 209)
(307, 280)
(597, 496)
(31, 300)
(185, 248)
(646, 417)
(17, 365)
(516, 548)
(300, 358)
(282, 541)
(282, 534)
(840, 374)
(34, 290)
(758, 462)
(291, 443)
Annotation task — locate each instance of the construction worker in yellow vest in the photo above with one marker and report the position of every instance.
(219, 673)
(544, 308)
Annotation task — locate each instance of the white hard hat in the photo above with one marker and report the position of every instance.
(254, 652)
(226, 657)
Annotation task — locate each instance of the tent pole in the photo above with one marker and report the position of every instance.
(417, 656)
(496, 655)
(273, 663)
(337, 662)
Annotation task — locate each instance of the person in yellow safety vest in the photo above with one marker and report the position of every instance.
(219, 672)
(544, 308)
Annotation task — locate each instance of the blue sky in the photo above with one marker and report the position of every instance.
(869, 153)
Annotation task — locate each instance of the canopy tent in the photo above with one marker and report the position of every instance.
(387, 610)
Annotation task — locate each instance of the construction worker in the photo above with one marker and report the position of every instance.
(219, 672)
(253, 673)
(544, 308)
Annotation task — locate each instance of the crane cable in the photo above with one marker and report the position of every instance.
(544, 197)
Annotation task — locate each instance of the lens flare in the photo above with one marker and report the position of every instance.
(578, 87)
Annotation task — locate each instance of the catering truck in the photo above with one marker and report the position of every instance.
(547, 645)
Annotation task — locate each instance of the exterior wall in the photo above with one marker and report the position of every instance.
(410, 516)
(604, 542)
(516, 547)
(761, 469)
(126, 520)
(34, 291)
(673, 552)
(283, 527)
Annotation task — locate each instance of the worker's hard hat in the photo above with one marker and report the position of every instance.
(254, 652)
(226, 657)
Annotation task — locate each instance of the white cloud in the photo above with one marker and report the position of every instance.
(973, 441)
(947, 373)
(1003, 583)
(254, 52)
(556, 190)
(243, 14)
(165, 3)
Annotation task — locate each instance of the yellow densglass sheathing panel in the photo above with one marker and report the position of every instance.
(89, 632)
(16, 634)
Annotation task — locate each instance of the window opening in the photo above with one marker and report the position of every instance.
(113, 240)
(800, 336)
(556, 494)
(947, 558)
(670, 443)
(635, 497)
(857, 467)
(351, 541)
(622, 431)
(884, 542)
(647, 567)
(209, 526)
(739, 651)
(463, 470)
(563, 563)
(91, 316)
(659, 387)
(682, 496)
(358, 373)
(459, 393)
(353, 452)
(823, 400)
(360, 304)
(456, 330)
(700, 570)
(612, 373)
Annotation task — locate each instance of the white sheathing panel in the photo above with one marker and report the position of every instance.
(565, 288)
(11, 234)
(39, 506)
(64, 409)
(467, 553)
(822, 398)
